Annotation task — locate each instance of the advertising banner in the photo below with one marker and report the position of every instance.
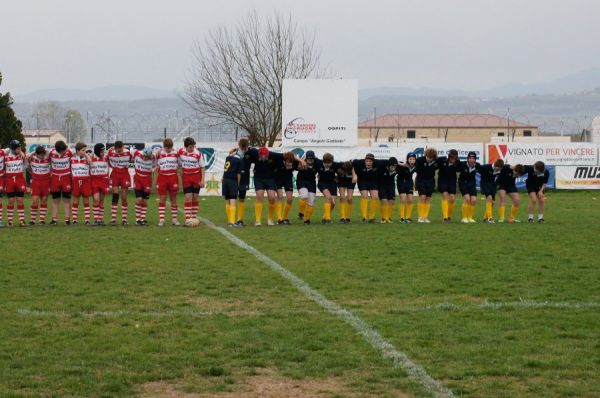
(559, 154)
(578, 177)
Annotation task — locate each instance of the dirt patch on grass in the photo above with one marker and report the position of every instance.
(227, 307)
(266, 384)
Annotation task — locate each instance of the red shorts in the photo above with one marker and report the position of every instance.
(191, 180)
(14, 183)
(167, 184)
(82, 187)
(40, 187)
(100, 185)
(142, 183)
(60, 183)
(1, 184)
(120, 180)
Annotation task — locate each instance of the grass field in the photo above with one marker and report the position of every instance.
(509, 310)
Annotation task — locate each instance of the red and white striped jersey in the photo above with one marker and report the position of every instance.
(119, 162)
(191, 162)
(167, 162)
(40, 167)
(1, 163)
(143, 167)
(80, 166)
(60, 165)
(99, 166)
(13, 163)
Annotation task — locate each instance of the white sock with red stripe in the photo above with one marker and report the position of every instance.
(124, 211)
(75, 211)
(143, 211)
(161, 211)
(10, 212)
(21, 209)
(138, 212)
(1, 210)
(187, 206)
(195, 209)
(43, 211)
(86, 212)
(113, 214)
(174, 211)
(33, 213)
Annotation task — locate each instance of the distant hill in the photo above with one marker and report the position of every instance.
(108, 93)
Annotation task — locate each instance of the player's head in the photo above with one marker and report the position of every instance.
(243, 144)
(347, 167)
(392, 163)
(263, 153)
(190, 144)
(411, 158)
(40, 151)
(288, 159)
(539, 167)
(498, 164)
(472, 158)
(99, 149)
(147, 153)
(60, 146)
(15, 145)
(327, 159)
(119, 147)
(80, 148)
(452, 155)
(430, 154)
(369, 159)
(309, 156)
(168, 144)
(519, 169)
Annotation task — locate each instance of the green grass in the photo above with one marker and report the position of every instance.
(88, 311)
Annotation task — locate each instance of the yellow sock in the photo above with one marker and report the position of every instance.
(444, 208)
(451, 209)
(241, 206)
(401, 209)
(327, 211)
(390, 211)
(373, 209)
(473, 210)
(348, 211)
(231, 214)
(286, 210)
(302, 206)
(271, 211)
(514, 211)
(501, 212)
(426, 209)
(488, 210)
(384, 207)
(420, 209)
(258, 211)
(342, 210)
(465, 210)
(278, 210)
(309, 212)
(408, 210)
(364, 207)
(227, 212)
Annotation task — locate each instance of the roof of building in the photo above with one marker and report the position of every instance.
(40, 133)
(472, 120)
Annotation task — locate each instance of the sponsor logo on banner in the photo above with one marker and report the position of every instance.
(563, 154)
(209, 157)
(578, 177)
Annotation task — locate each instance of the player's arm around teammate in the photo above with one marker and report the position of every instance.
(425, 182)
(346, 188)
(406, 185)
(468, 187)
(192, 172)
(537, 181)
(364, 174)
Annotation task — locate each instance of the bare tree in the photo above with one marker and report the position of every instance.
(237, 73)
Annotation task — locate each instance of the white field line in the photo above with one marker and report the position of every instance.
(399, 359)
(516, 305)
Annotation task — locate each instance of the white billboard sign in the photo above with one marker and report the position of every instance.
(578, 177)
(559, 154)
(319, 112)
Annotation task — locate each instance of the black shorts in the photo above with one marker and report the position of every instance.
(508, 188)
(387, 192)
(535, 188)
(331, 186)
(242, 189)
(468, 188)
(229, 189)
(488, 188)
(425, 187)
(310, 185)
(367, 186)
(57, 195)
(346, 183)
(406, 187)
(264, 184)
(287, 184)
(449, 187)
(140, 193)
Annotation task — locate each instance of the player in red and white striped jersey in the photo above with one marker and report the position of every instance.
(192, 171)
(14, 181)
(167, 182)
(60, 180)
(1, 184)
(100, 181)
(119, 158)
(82, 186)
(39, 167)
(144, 163)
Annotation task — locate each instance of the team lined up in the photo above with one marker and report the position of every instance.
(85, 174)
(377, 181)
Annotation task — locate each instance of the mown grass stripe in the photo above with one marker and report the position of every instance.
(399, 359)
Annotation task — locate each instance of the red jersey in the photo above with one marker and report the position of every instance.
(13, 163)
(191, 162)
(1, 162)
(60, 165)
(167, 162)
(80, 166)
(143, 167)
(119, 162)
(99, 166)
(40, 167)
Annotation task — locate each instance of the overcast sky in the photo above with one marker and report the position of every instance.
(464, 44)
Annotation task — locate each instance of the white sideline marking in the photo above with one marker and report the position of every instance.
(400, 359)
(522, 304)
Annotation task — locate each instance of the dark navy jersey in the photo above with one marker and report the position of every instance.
(426, 170)
(328, 175)
(447, 171)
(365, 174)
(486, 171)
(507, 176)
(281, 171)
(385, 176)
(263, 168)
(246, 164)
(534, 179)
(468, 173)
(233, 167)
(405, 173)
(309, 174)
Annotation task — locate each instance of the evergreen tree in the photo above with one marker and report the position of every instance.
(10, 126)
